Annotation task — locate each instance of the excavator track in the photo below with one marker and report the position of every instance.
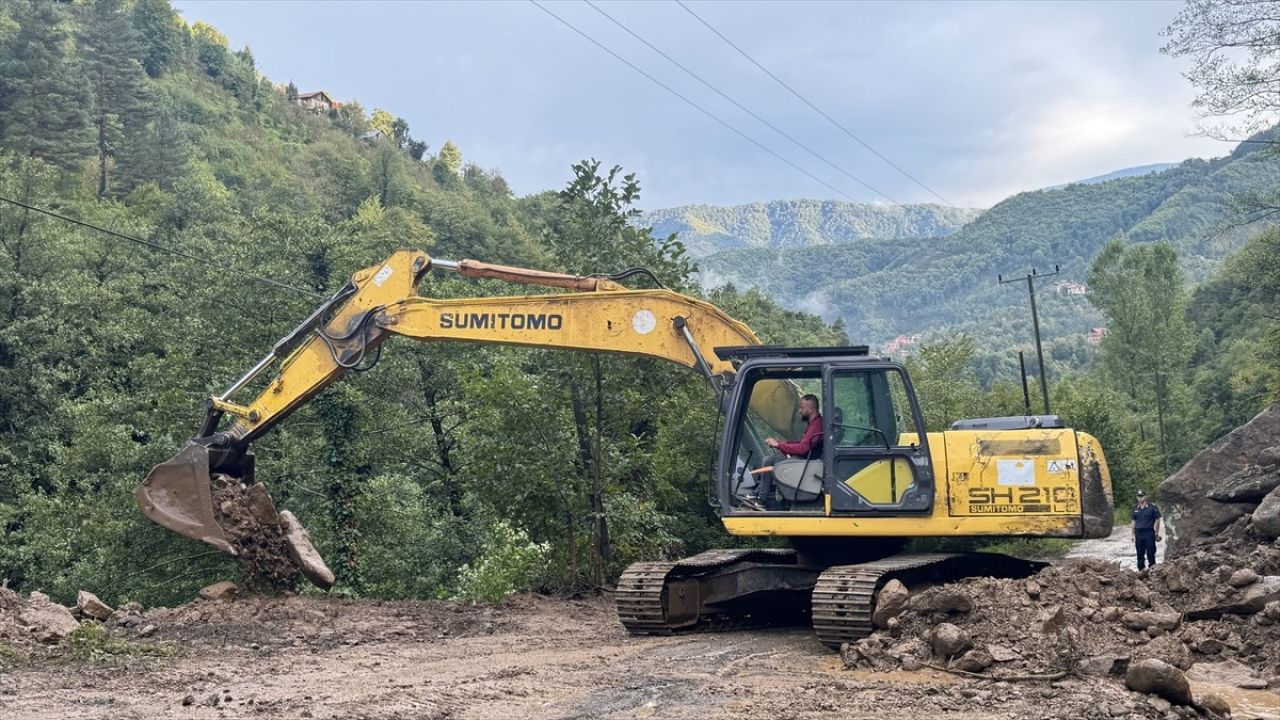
(708, 591)
(844, 597)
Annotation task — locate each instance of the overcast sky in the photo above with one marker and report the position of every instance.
(976, 100)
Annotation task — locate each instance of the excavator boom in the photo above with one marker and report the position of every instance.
(597, 314)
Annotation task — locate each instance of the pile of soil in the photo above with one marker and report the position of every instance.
(249, 519)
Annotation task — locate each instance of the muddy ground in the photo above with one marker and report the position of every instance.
(541, 657)
(528, 657)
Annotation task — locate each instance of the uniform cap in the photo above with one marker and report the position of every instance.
(1142, 493)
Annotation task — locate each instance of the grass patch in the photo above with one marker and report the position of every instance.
(1032, 548)
(92, 643)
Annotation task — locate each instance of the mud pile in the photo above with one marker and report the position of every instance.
(249, 519)
(273, 550)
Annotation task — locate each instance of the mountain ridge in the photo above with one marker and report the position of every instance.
(946, 284)
(708, 229)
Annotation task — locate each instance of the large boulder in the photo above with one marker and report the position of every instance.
(1141, 620)
(1252, 599)
(1266, 517)
(1159, 678)
(1191, 517)
(90, 606)
(304, 554)
(45, 617)
(949, 641)
(890, 602)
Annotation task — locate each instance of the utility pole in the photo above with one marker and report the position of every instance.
(1026, 394)
(1035, 323)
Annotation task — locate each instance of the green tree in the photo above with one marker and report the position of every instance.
(162, 32)
(945, 381)
(115, 76)
(211, 48)
(44, 98)
(448, 164)
(157, 151)
(1141, 292)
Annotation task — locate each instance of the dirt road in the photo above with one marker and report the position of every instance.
(529, 657)
(1117, 547)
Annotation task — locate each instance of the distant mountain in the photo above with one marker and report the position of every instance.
(1117, 174)
(886, 286)
(707, 229)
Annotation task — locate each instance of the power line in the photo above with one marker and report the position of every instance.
(692, 104)
(815, 108)
(739, 105)
(163, 248)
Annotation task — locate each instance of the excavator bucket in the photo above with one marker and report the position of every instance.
(177, 495)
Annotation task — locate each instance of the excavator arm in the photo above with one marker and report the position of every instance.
(598, 314)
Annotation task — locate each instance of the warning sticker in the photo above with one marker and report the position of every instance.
(1063, 465)
(1015, 472)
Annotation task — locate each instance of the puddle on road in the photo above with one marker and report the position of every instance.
(1245, 704)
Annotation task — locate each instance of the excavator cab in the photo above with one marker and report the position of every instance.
(873, 458)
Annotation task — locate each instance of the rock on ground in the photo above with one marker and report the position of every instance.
(949, 641)
(304, 554)
(91, 606)
(45, 616)
(890, 602)
(1248, 485)
(225, 590)
(1157, 677)
(1266, 517)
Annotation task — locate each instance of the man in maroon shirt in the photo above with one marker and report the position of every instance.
(809, 446)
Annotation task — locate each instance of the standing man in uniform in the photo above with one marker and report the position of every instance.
(1147, 525)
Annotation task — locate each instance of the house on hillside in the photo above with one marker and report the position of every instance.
(900, 345)
(1095, 335)
(1071, 288)
(318, 101)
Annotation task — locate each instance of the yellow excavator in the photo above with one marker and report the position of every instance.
(846, 509)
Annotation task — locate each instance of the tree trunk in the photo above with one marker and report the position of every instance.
(603, 549)
(585, 461)
(102, 156)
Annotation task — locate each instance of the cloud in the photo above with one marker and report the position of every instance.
(977, 100)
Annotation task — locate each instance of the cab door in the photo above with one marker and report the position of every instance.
(877, 459)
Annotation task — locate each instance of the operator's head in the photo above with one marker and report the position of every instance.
(809, 407)
(1142, 496)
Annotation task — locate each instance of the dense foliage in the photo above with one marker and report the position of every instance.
(446, 471)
